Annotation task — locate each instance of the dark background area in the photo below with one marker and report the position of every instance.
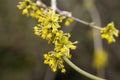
(21, 52)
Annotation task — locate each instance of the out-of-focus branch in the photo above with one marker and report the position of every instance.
(90, 6)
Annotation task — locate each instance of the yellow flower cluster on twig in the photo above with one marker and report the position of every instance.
(109, 32)
(54, 61)
(100, 59)
(48, 28)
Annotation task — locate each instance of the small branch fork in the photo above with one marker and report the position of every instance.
(69, 14)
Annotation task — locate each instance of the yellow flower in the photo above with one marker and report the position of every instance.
(54, 60)
(63, 70)
(68, 21)
(49, 36)
(37, 31)
(59, 55)
(100, 59)
(48, 28)
(25, 11)
(36, 14)
(109, 32)
(59, 34)
(54, 30)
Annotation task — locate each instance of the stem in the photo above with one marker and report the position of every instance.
(81, 21)
(53, 5)
(94, 26)
(66, 13)
(79, 70)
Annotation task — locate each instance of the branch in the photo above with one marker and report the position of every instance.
(79, 70)
(68, 14)
(53, 5)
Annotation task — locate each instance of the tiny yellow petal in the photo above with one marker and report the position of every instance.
(63, 70)
(25, 11)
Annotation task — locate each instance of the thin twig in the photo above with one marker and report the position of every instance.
(79, 70)
(68, 14)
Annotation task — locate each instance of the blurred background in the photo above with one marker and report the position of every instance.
(21, 52)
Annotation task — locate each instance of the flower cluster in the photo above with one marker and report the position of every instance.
(100, 59)
(48, 28)
(30, 9)
(109, 32)
(68, 21)
(54, 61)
